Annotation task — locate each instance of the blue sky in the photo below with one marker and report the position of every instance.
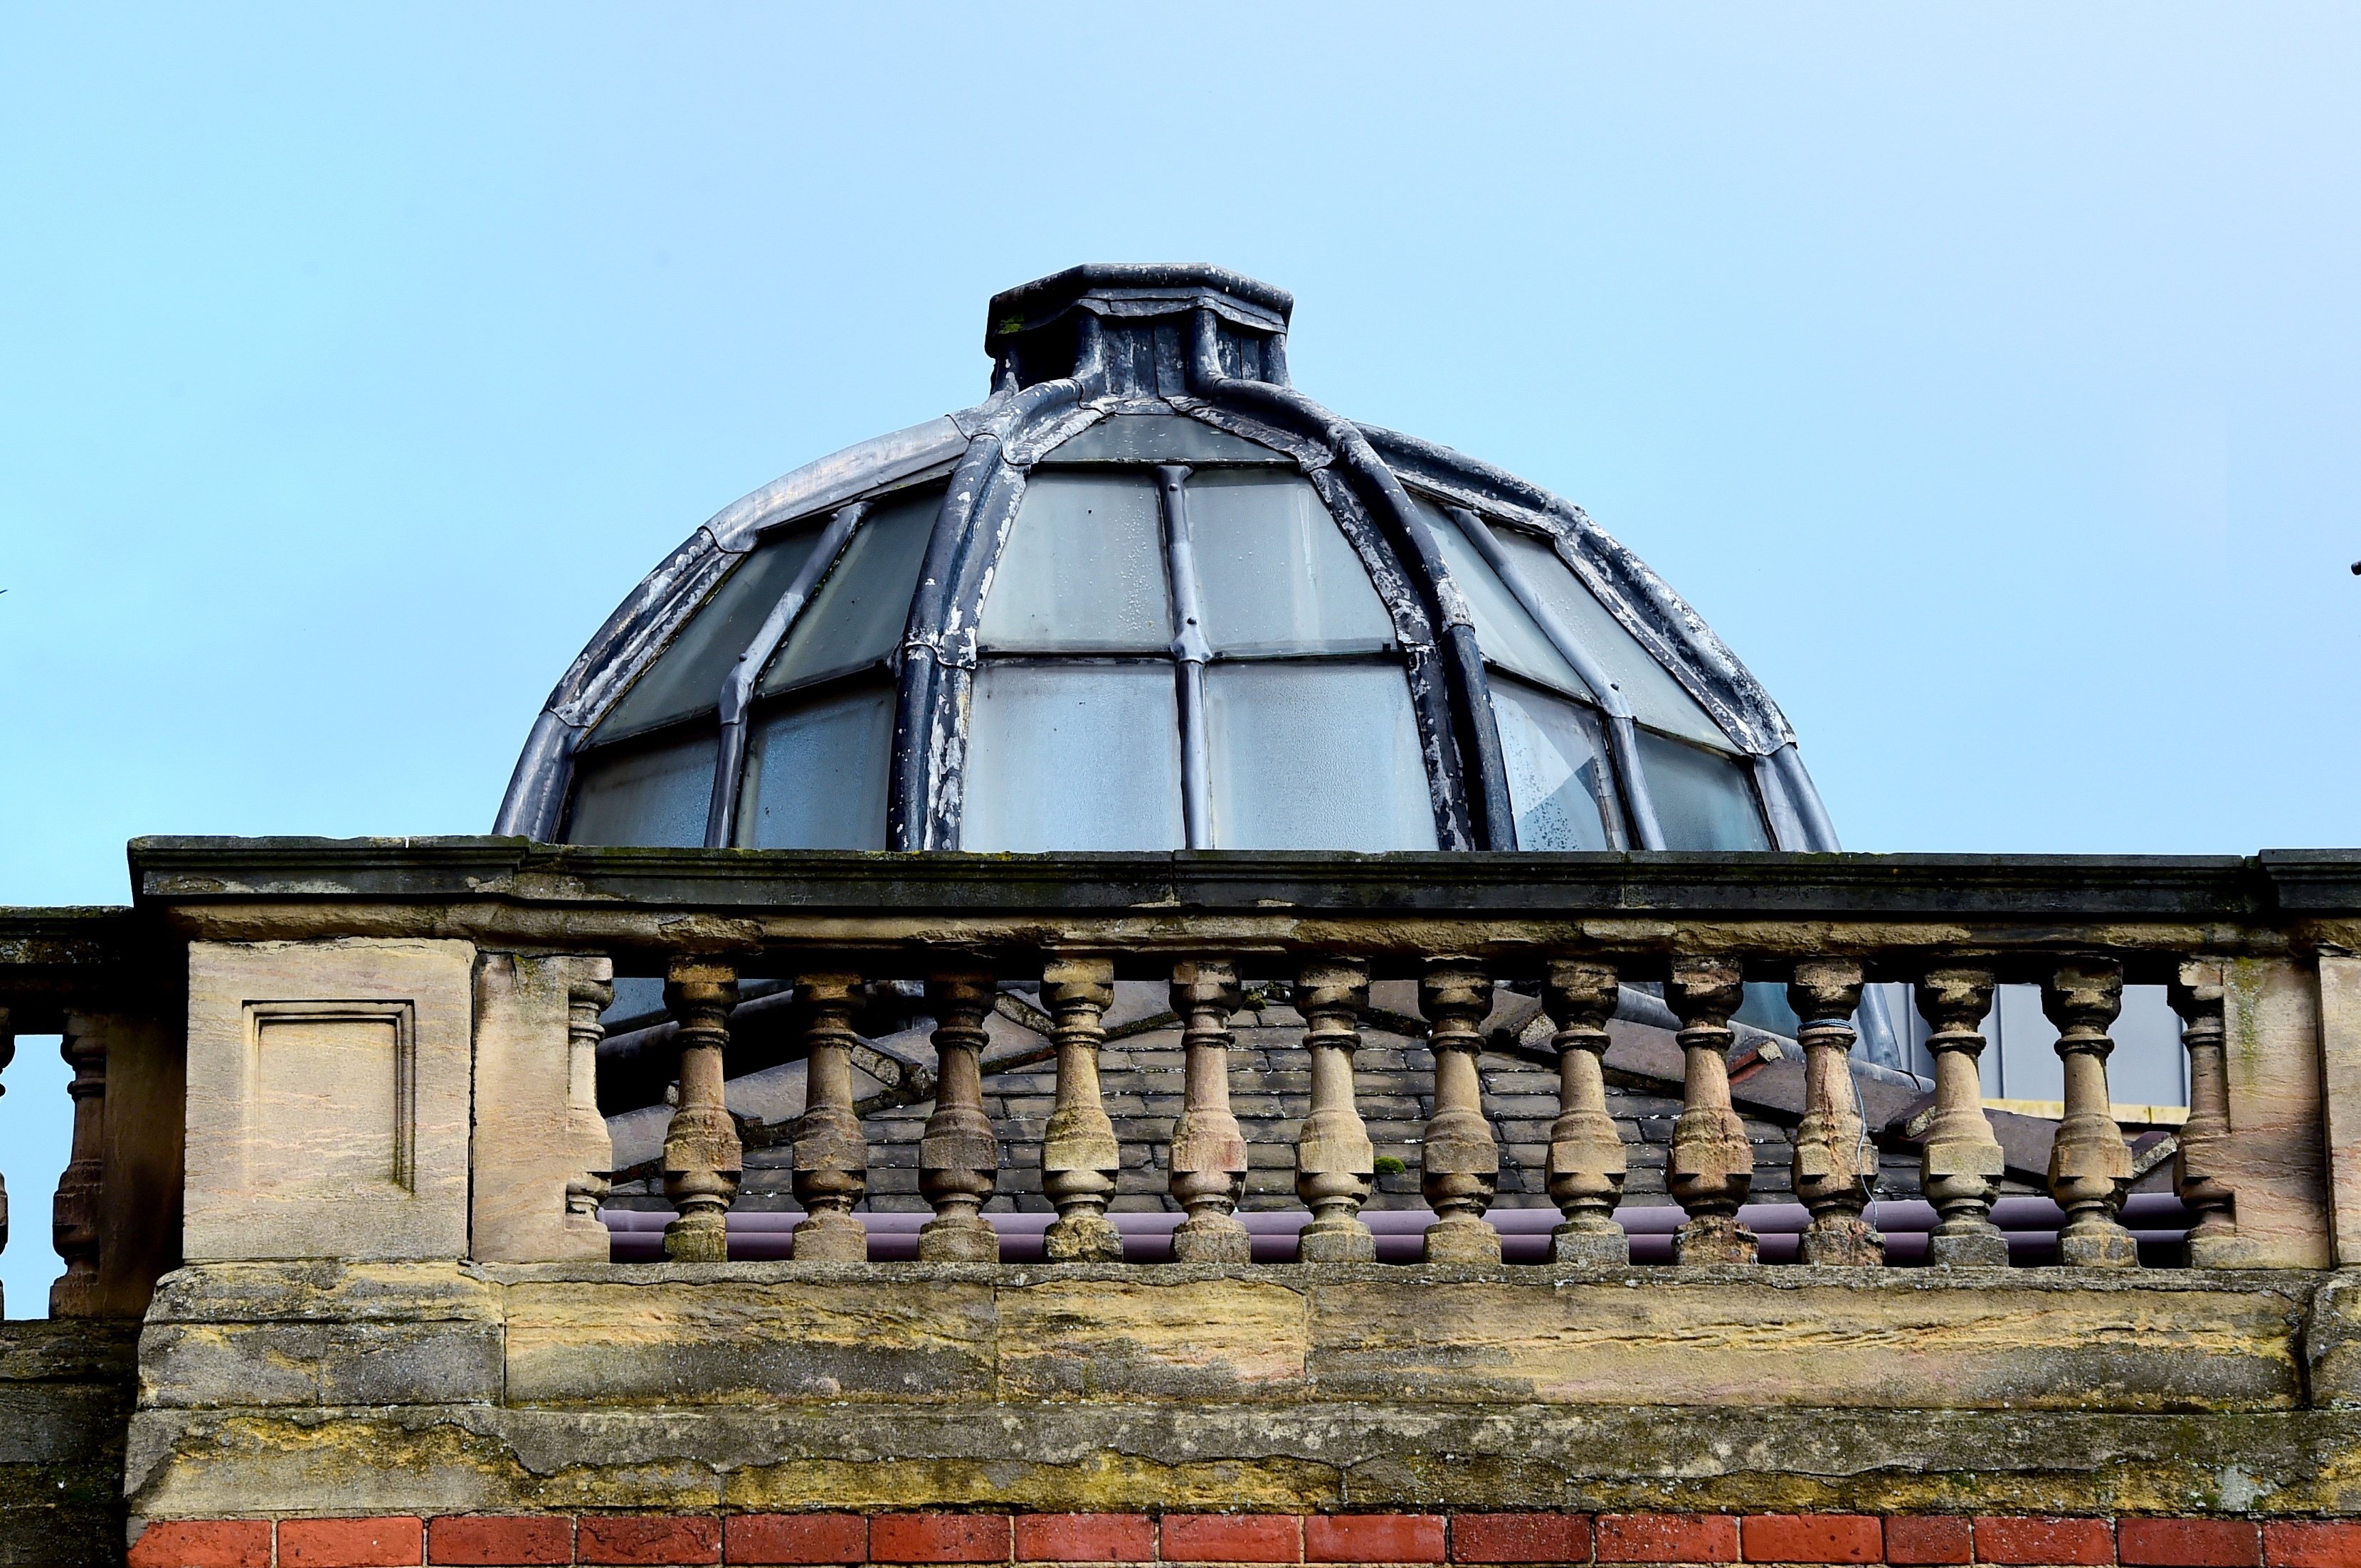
(1987, 376)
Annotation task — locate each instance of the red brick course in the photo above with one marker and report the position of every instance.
(386, 1541)
(1085, 1538)
(938, 1537)
(1914, 1539)
(644, 1539)
(1373, 1537)
(1232, 1537)
(202, 1543)
(1811, 1538)
(1521, 1537)
(509, 1541)
(852, 1541)
(795, 1538)
(2188, 1543)
(1667, 1538)
(2044, 1540)
(2307, 1544)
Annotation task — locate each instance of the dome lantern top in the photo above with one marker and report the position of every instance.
(1126, 327)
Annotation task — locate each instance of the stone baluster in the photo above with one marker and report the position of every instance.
(1209, 1152)
(703, 1160)
(1833, 1163)
(2090, 1164)
(1960, 1161)
(958, 1155)
(75, 1216)
(831, 1156)
(1460, 1163)
(1712, 1164)
(588, 994)
(1336, 1165)
(2196, 994)
(1585, 1151)
(1079, 1156)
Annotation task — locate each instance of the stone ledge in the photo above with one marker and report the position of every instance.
(1205, 1455)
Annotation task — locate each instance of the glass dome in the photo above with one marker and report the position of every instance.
(1147, 596)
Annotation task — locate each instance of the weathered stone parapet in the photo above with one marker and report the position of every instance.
(66, 1390)
(518, 1387)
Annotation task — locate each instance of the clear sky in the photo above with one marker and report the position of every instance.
(1988, 377)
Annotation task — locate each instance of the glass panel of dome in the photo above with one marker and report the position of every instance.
(1503, 629)
(1161, 438)
(646, 794)
(1656, 696)
(816, 775)
(1703, 799)
(1273, 572)
(686, 677)
(1073, 755)
(1082, 571)
(857, 617)
(1557, 779)
(1316, 755)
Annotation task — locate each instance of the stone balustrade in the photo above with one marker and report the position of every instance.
(339, 1138)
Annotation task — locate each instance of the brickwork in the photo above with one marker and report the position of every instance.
(820, 1539)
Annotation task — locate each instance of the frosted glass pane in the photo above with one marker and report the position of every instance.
(686, 677)
(1273, 572)
(857, 617)
(1703, 800)
(1656, 696)
(1503, 629)
(816, 775)
(1556, 776)
(1083, 569)
(1315, 756)
(656, 795)
(1073, 755)
(1161, 438)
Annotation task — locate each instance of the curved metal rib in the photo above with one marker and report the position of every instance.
(1632, 593)
(1463, 729)
(738, 687)
(1622, 731)
(643, 624)
(1190, 654)
(939, 637)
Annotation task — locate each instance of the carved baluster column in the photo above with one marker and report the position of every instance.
(589, 993)
(1833, 1163)
(1079, 1156)
(2196, 994)
(74, 1218)
(1461, 1164)
(831, 1156)
(1585, 1151)
(1712, 1164)
(1209, 1152)
(1335, 1166)
(1960, 1161)
(959, 1157)
(2090, 1164)
(703, 1160)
